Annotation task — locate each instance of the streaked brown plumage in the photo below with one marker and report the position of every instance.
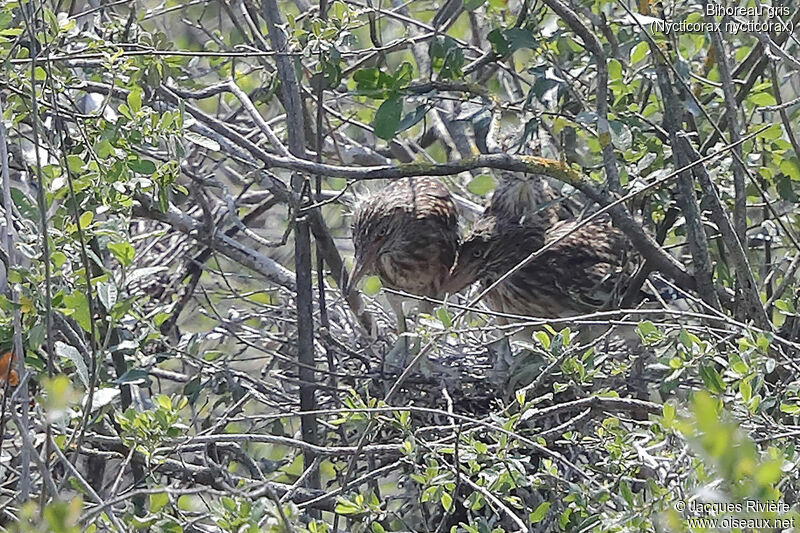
(579, 274)
(583, 272)
(407, 234)
(518, 197)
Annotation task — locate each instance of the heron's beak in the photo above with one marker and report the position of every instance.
(359, 269)
(459, 279)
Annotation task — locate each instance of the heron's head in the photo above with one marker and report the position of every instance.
(476, 256)
(374, 229)
(492, 248)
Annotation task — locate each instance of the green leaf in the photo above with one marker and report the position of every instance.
(74, 163)
(614, 70)
(387, 117)
(122, 251)
(538, 515)
(446, 57)
(372, 286)
(134, 376)
(543, 338)
(158, 501)
(444, 317)
(498, 42)
(669, 413)
(746, 390)
(59, 258)
(85, 219)
(508, 41)
(142, 166)
(520, 396)
(712, 379)
(762, 99)
(648, 332)
(447, 501)
(770, 134)
(70, 353)
(107, 292)
(403, 75)
(202, 141)
(791, 169)
(372, 79)
(163, 199)
(480, 185)
(625, 492)
(134, 100)
(104, 149)
(639, 52)
(367, 78)
(79, 307)
(346, 507)
(412, 118)
(518, 38)
(472, 5)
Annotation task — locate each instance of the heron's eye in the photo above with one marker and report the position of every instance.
(477, 253)
(382, 232)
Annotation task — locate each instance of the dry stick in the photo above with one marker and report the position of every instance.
(93, 333)
(208, 476)
(219, 242)
(153, 52)
(731, 105)
(258, 119)
(195, 266)
(495, 501)
(695, 233)
(729, 236)
(42, 205)
(369, 476)
(744, 276)
(300, 481)
(787, 279)
(86, 518)
(293, 105)
(234, 143)
(772, 51)
(18, 349)
(324, 451)
(594, 401)
(457, 470)
(324, 321)
(592, 44)
(776, 91)
(27, 443)
(86, 486)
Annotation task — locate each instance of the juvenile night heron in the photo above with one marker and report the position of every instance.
(407, 235)
(521, 197)
(581, 273)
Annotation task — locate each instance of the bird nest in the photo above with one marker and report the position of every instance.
(476, 367)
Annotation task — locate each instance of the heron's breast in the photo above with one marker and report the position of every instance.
(420, 269)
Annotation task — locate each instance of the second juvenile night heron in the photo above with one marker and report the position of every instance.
(407, 235)
(583, 272)
(520, 197)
